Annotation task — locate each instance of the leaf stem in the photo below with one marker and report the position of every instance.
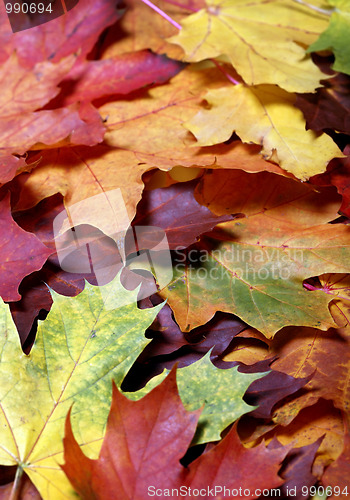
(177, 4)
(228, 76)
(16, 488)
(162, 13)
(325, 12)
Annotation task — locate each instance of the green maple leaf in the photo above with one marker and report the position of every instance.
(82, 345)
(219, 392)
(336, 36)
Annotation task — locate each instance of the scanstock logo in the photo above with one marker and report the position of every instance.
(94, 235)
(26, 14)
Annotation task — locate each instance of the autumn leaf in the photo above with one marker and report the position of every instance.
(150, 126)
(21, 124)
(256, 266)
(76, 31)
(329, 107)
(337, 473)
(309, 351)
(83, 344)
(264, 115)
(245, 33)
(335, 36)
(122, 74)
(176, 211)
(21, 253)
(338, 176)
(321, 420)
(143, 29)
(132, 466)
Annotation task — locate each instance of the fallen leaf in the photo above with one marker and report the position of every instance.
(143, 29)
(176, 211)
(329, 107)
(218, 392)
(21, 253)
(264, 115)
(312, 423)
(304, 351)
(127, 466)
(84, 343)
(338, 176)
(151, 128)
(145, 465)
(121, 74)
(255, 266)
(337, 474)
(245, 33)
(335, 36)
(297, 471)
(24, 93)
(76, 31)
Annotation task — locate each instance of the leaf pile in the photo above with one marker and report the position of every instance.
(219, 125)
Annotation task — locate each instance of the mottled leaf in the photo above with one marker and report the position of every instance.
(256, 266)
(130, 467)
(84, 343)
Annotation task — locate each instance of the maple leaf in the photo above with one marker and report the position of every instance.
(122, 74)
(128, 467)
(335, 36)
(337, 473)
(253, 268)
(219, 391)
(264, 115)
(143, 29)
(329, 107)
(338, 176)
(245, 32)
(175, 210)
(82, 345)
(321, 420)
(76, 31)
(21, 253)
(142, 131)
(325, 358)
(24, 92)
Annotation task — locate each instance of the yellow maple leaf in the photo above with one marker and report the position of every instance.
(264, 115)
(264, 40)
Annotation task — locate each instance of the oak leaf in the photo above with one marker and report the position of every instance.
(84, 343)
(129, 466)
(245, 33)
(264, 115)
